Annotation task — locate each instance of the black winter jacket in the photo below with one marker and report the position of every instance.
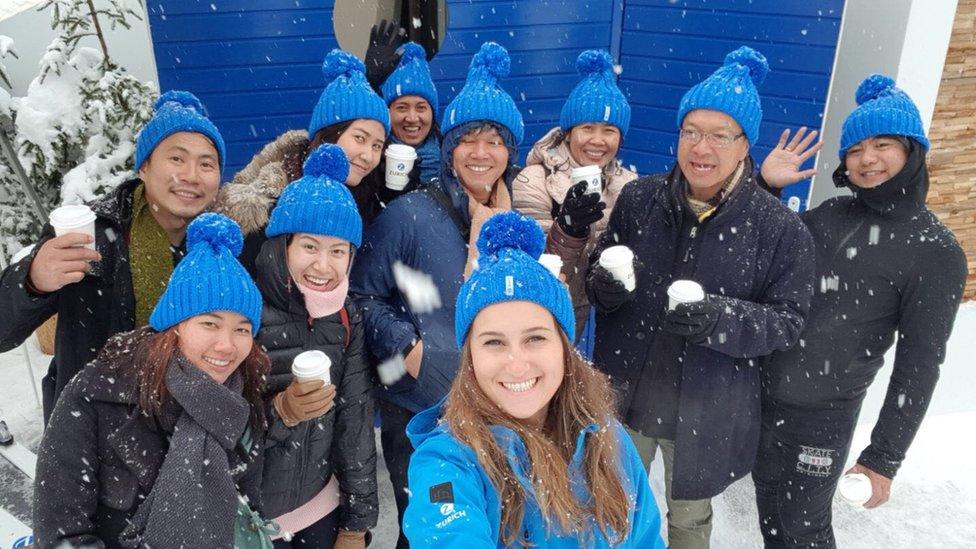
(885, 264)
(90, 311)
(755, 256)
(299, 461)
(100, 456)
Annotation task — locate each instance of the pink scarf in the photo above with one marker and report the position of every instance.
(321, 304)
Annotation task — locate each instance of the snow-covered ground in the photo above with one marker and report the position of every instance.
(931, 503)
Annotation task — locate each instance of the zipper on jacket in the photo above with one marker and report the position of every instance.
(691, 235)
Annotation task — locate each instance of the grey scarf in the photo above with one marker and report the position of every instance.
(194, 499)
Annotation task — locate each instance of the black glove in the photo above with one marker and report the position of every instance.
(606, 292)
(580, 209)
(694, 321)
(385, 38)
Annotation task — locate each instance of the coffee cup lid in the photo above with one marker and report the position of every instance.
(687, 290)
(615, 256)
(71, 216)
(405, 152)
(310, 363)
(585, 171)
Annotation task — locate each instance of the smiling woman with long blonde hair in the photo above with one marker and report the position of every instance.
(525, 450)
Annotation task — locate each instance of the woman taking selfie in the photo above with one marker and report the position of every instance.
(157, 442)
(525, 449)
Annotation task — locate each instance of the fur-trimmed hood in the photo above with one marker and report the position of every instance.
(250, 196)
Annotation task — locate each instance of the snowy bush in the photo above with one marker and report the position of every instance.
(75, 129)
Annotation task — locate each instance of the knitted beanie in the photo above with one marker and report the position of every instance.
(509, 270)
(884, 109)
(347, 95)
(596, 98)
(177, 111)
(732, 90)
(319, 202)
(411, 77)
(482, 98)
(209, 278)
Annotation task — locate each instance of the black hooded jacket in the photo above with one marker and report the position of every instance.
(885, 264)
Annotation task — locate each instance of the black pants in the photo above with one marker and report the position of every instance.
(320, 535)
(802, 452)
(397, 450)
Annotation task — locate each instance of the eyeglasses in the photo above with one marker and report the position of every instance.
(717, 140)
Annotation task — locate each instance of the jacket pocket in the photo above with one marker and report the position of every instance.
(118, 488)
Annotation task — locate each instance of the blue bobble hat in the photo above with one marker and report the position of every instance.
(883, 109)
(596, 99)
(347, 95)
(482, 97)
(177, 111)
(209, 278)
(732, 90)
(411, 77)
(509, 270)
(319, 203)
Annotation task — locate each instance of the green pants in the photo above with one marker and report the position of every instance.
(689, 521)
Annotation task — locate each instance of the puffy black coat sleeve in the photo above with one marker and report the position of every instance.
(928, 308)
(23, 312)
(66, 487)
(620, 229)
(354, 445)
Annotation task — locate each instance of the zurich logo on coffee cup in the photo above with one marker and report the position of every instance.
(401, 166)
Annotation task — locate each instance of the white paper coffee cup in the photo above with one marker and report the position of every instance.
(619, 260)
(399, 162)
(552, 262)
(684, 291)
(855, 488)
(312, 365)
(593, 176)
(74, 219)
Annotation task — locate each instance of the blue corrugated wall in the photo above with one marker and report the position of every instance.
(256, 63)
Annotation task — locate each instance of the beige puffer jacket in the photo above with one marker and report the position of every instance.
(543, 183)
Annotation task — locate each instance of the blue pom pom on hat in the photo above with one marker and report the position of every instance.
(347, 95)
(509, 270)
(482, 97)
(733, 90)
(883, 109)
(177, 111)
(596, 99)
(411, 77)
(319, 202)
(209, 278)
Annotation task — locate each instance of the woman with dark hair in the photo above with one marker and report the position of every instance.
(348, 114)
(158, 442)
(320, 460)
(525, 449)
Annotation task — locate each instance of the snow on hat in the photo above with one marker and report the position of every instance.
(319, 202)
(347, 94)
(509, 270)
(411, 77)
(209, 278)
(596, 98)
(884, 109)
(177, 111)
(482, 98)
(732, 89)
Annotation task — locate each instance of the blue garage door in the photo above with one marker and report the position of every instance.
(256, 63)
(666, 46)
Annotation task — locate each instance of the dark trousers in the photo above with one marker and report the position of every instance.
(320, 535)
(397, 450)
(802, 452)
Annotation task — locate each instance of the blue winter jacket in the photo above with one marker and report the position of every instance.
(417, 231)
(454, 504)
